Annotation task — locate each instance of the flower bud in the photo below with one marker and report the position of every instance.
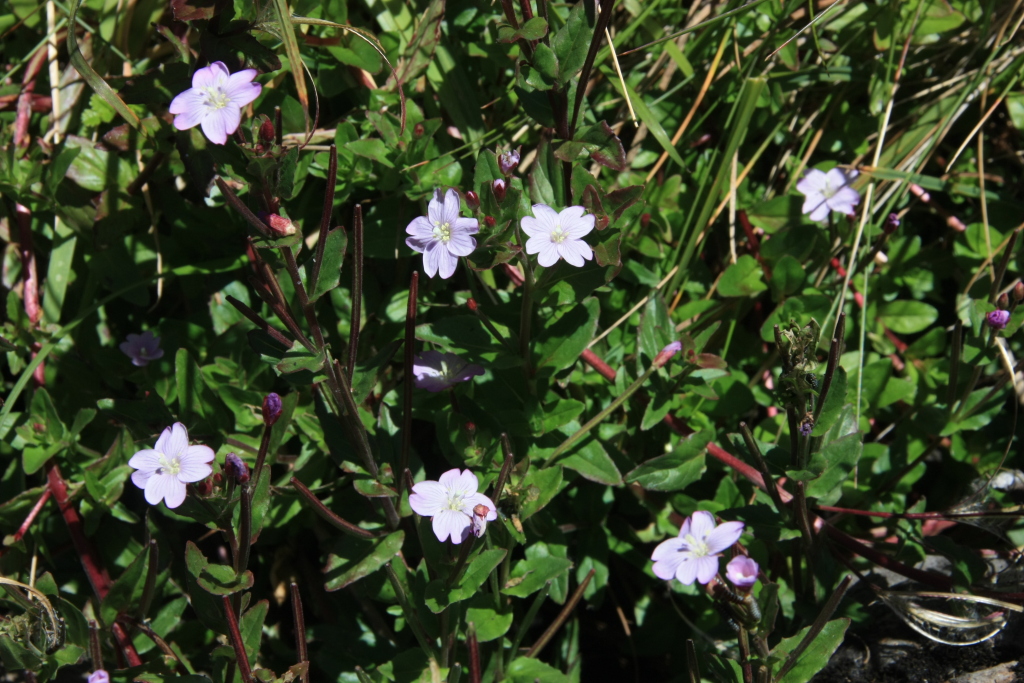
(418, 130)
(1018, 291)
(891, 223)
(480, 513)
(471, 428)
(498, 188)
(471, 304)
(508, 161)
(997, 319)
(742, 572)
(235, 468)
(99, 676)
(1003, 301)
(271, 409)
(666, 353)
(472, 200)
(489, 221)
(645, 219)
(267, 132)
(279, 225)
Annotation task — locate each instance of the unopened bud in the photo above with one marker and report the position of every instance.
(891, 223)
(1003, 301)
(471, 305)
(235, 468)
(645, 219)
(472, 200)
(271, 408)
(480, 513)
(279, 225)
(997, 319)
(489, 221)
(498, 188)
(418, 130)
(508, 161)
(470, 427)
(1018, 291)
(204, 487)
(665, 355)
(267, 132)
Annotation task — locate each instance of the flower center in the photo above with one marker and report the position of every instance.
(697, 548)
(827, 192)
(455, 500)
(169, 466)
(442, 231)
(216, 98)
(558, 235)
(143, 352)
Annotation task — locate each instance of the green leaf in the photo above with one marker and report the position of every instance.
(572, 41)
(743, 278)
(122, 592)
(835, 462)
(189, 379)
(553, 417)
(559, 346)
(533, 29)
(529, 670)
(489, 622)
(529, 576)
(437, 598)
(816, 656)
(353, 559)
(539, 487)
(676, 470)
(373, 148)
(330, 270)
(251, 627)
(591, 460)
(834, 403)
(787, 277)
(220, 579)
(907, 317)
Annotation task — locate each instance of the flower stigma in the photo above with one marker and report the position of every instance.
(558, 235)
(216, 98)
(442, 231)
(697, 547)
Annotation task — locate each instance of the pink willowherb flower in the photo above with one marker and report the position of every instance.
(742, 572)
(442, 236)
(215, 101)
(826, 192)
(436, 371)
(558, 235)
(694, 554)
(163, 470)
(997, 319)
(454, 504)
(142, 348)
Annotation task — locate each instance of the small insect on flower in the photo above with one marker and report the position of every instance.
(163, 471)
(693, 555)
(558, 235)
(826, 192)
(142, 348)
(453, 502)
(442, 236)
(215, 101)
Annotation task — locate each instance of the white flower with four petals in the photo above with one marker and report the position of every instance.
(694, 553)
(442, 236)
(163, 471)
(558, 235)
(452, 502)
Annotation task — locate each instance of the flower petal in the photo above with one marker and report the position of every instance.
(578, 226)
(723, 536)
(215, 127)
(419, 244)
(177, 442)
(819, 213)
(467, 483)
(195, 464)
(210, 76)
(471, 501)
(446, 263)
(420, 227)
(450, 208)
(427, 498)
(450, 479)
(468, 226)
(241, 89)
(537, 243)
(451, 523)
(431, 258)
(575, 252)
(705, 567)
(546, 216)
(147, 460)
(435, 207)
(164, 487)
(461, 244)
(845, 201)
(686, 572)
(140, 477)
(813, 182)
(670, 548)
(837, 178)
(534, 228)
(702, 523)
(548, 254)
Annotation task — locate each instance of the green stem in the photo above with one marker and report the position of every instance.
(410, 613)
(525, 318)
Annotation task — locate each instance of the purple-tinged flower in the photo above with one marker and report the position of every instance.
(498, 187)
(480, 517)
(453, 502)
(742, 572)
(271, 408)
(235, 468)
(891, 223)
(694, 554)
(99, 676)
(472, 200)
(997, 319)
(215, 101)
(665, 355)
(508, 161)
(806, 425)
(142, 348)
(827, 192)
(164, 470)
(442, 236)
(558, 235)
(436, 371)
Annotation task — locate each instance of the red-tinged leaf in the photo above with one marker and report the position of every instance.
(193, 10)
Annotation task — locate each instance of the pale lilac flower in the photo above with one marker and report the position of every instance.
(509, 161)
(215, 101)
(142, 348)
(827, 192)
(164, 470)
(742, 571)
(452, 503)
(558, 235)
(442, 236)
(99, 676)
(665, 355)
(436, 371)
(694, 554)
(480, 513)
(997, 319)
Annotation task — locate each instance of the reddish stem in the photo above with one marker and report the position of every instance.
(235, 636)
(592, 359)
(23, 529)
